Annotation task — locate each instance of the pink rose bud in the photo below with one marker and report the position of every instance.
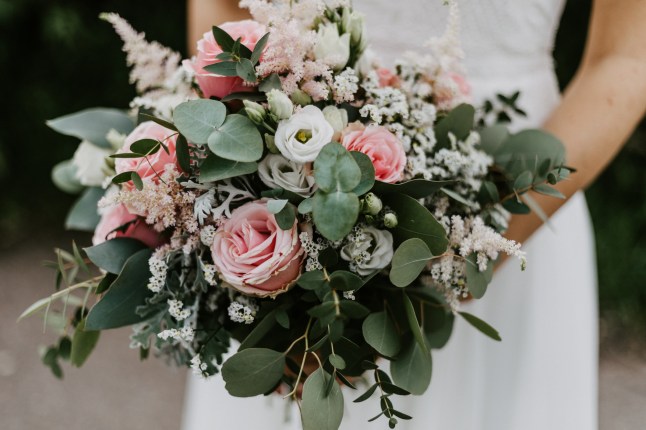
(254, 255)
(382, 147)
(212, 85)
(387, 78)
(135, 227)
(156, 162)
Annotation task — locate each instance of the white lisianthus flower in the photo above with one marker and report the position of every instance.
(332, 49)
(301, 137)
(276, 171)
(280, 106)
(368, 249)
(89, 161)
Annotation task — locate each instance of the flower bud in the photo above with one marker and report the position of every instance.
(338, 118)
(357, 29)
(271, 144)
(255, 111)
(332, 49)
(301, 98)
(280, 106)
(372, 204)
(390, 220)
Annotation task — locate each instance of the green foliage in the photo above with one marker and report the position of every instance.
(63, 176)
(112, 255)
(415, 188)
(412, 369)
(322, 407)
(237, 139)
(408, 262)
(458, 122)
(482, 326)
(253, 371)
(118, 307)
(215, 168)
(93, 125)
(197, 119)
(379, 332)
(83, 344)
(84, 215)
(478, 281)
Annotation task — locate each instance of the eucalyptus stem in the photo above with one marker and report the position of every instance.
(300, 371)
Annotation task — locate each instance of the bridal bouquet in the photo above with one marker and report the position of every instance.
(284, 193)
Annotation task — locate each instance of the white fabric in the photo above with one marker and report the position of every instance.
(543, 375)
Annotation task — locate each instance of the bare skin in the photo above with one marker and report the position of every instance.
(600, 107)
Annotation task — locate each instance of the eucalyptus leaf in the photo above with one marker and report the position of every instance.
(64, 177)
(478, 281)
(409, 260)
(458, 122)
(548, 191)
(527, 151)
(197, 119)
(367, 172)
(84, 215)
(523, 181)
(305, 206)
(482, 326)
(411, 316)
(415, 188)
(215, 168)
(258, 49)
(118, 307)
(343, 280)
(262, 328)
(246, 71)
(237, 139)
(112, 255)
(223, 68)
(412, 369)
(336, 170)
(335, 214)
(223, 39)
(183, 154)
(380, 333)
(93, 125)
(274, 206)
(253, 371)
(271, 82)
(312, 280)
(492, 137)
(286, 217)
(321, 410)
(83, 344)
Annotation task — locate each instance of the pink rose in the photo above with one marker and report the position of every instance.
(118, 216)
(383, 148)
(254, 255)
(156, 162)
(387, 78)
(451, 89)
(207, 49)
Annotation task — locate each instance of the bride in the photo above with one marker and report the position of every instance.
(544, 373)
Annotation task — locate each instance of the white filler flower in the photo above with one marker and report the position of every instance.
(89, 161)
(276, 171)
(302, 137)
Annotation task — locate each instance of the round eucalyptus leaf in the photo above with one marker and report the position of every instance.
(335, 214)
(64, 177)
(237, 139)
(196, 119)
(321, 410)
(380, 333)
(336, 170)
(412, 369)
(367, 172)
(253, 371)
(408, 262)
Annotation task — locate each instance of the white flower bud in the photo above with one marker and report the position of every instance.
(90, 164)
(338, 118)
(333, 49)
(255, 111)
(276, 171)
(390, 220)
(357, 29)
(372, 204)
(280, 106)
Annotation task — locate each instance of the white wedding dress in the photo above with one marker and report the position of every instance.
(543, 375)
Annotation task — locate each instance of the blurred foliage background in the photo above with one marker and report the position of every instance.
(56, 57)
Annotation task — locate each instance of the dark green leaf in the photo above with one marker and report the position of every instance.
(415, 188)
(245, 95)
(223, 39)
(136, 180)
(257, 50)
(409, 260)
(223, 68)
(65, 348)
(282, 318)
(367, 172)
(458, 198)
(162, 122)
(312, 280)
(112, 255)
(215, 168)
(335, 214)
(183, 155)
(365, 396)
(380, 333)
(477, 281)
(321, 410)
(412, 369)
(345, 281)
(246, 71)
(83, 344)
(391, 388)
(411, 316)
(145, 146)
(353, 309)
(253, 371)
(286, 217)
(264, 326)
(118, 306)
(328, 257)
(482, 326)
(459, 122)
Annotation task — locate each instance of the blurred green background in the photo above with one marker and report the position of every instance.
(56, 57)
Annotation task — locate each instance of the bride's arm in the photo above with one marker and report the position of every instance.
(203, 14)
(603, 103)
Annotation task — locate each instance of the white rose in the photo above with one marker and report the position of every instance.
(302, 137)
(331, 48)
(89, 161)
(368, 249)
(276, 171)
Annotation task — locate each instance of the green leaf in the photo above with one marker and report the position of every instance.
(367, 172)
(282, 318)
(112, 255)
(257, 50)
(275, 206)
(321, 410)
(345, 281)
(282, 194)
(122, 177)
(245, 95)
(458, 198)
(65, 348)
(482, 326)
(528, 151)
(64, 177)
(328, 257)
(380, 333)
(215, 168)
(223, 68)
(489, 193)
(415, 188)
(353, 309)
(162, 122)
(145, 146)
(312, 280)
(246, 71)
(223, 39)
(83, 344)
(305, 206)
(197, 119)
(286, 217)
(337, 361)
(414, 325)
(335, 214)
(523, 181)
(253, 372)
(492, 137)
(271, 82)
(365, 396)
(412, 369)
(93, 125)
(183, 154)
(118, 306)
(548, 191)
(336, 170)
(477, 281)
(84, 215)
(415, 221)
(408, 262)
(237, 139)
(136, 180)
(459, 122)
(516, 207)
(264, 326)
(391, 388)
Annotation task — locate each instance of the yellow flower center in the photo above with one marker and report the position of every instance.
(303, 136)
